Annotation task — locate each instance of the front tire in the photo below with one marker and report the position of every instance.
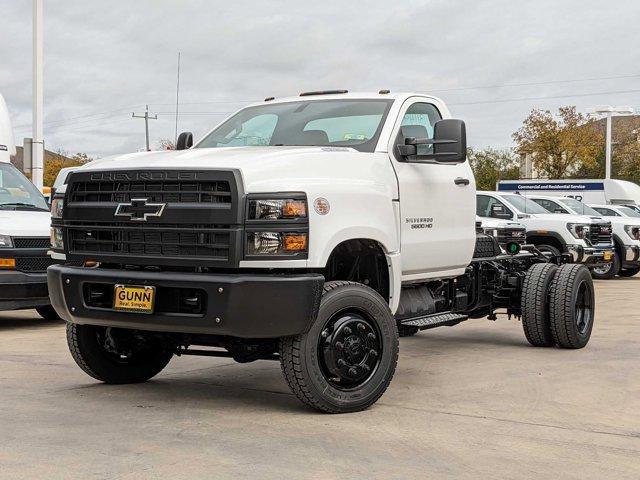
(572, 306)
(629, 272)
(346, 360)
(116, 356)
(607, 271)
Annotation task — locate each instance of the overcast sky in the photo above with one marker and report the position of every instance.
(105, 59)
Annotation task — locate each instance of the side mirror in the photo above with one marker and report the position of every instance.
(499, 211)
(185, 141)
(449, 144)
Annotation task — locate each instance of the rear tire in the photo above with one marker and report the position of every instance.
(346, 360)
(629, 272)
(608, 271)
(535, 304)
(572, 306)
(132, 358)
(48, 313)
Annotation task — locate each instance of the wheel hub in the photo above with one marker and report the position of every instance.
(350, 350)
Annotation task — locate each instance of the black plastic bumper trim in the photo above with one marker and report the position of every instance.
(239, 305)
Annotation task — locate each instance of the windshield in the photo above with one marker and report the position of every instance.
(629, 212)
(524, 205)
(579, 207)
(16, 192)
(330, 123)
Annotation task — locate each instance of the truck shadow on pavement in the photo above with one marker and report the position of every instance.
(189, 394)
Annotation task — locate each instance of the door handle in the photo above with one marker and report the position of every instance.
(461, 181)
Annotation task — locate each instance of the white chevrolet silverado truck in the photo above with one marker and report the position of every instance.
(312, 230)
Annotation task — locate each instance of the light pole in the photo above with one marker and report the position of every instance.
(609, 112)
(37, 164)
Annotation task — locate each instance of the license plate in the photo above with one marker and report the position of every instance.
(608, 256)
(130, 298)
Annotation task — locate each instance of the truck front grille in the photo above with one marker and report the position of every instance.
(198, 221)
(600, 234)
(205, 191)
(206, 242)
(31, 242)
(506, 235)
(33, 264)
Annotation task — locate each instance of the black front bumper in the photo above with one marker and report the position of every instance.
(239, 305)
(22, 290)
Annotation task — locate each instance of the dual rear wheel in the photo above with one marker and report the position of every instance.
(558, 305)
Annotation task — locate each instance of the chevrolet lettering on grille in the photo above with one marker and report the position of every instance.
(139, 210)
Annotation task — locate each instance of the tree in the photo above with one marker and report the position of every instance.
(559, 147)
(60, 160)
(492, 165)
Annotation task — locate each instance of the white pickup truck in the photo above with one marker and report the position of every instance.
(626, 229)
(587, 239)
(312, 230)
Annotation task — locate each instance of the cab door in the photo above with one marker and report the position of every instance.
(437, 201)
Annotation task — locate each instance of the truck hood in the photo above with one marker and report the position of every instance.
(262, 168)
(25, 224)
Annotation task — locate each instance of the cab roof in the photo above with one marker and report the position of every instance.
(345, 95)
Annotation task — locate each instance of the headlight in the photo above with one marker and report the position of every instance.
(268, 244)
(633, 231)
(57, 205)
(277, 209)
(578, 230)
(492, 232)
(5, 241)
(57, 241)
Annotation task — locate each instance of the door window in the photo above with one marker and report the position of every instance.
(606, 212)
(418, 122)
(553, 207)
(484, 203)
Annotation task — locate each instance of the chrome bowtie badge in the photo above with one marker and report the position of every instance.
(139, 210)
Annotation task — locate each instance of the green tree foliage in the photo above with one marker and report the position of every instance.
(61, 160)
(560, 145)
(491, 165)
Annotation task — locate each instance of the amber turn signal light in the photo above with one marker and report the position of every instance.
(295, 242)
(294, 208)
(8, 263)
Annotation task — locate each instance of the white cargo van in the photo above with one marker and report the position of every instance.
(24, 233)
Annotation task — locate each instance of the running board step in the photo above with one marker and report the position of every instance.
(434, 320)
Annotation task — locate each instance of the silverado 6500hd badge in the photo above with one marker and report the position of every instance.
(419, 222)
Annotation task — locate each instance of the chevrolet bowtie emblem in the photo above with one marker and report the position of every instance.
(138, 209)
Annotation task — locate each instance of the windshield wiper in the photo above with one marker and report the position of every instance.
(24, 205)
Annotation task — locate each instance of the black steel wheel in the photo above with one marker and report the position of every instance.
(347, 359)
(572, 306)
(114, 355)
